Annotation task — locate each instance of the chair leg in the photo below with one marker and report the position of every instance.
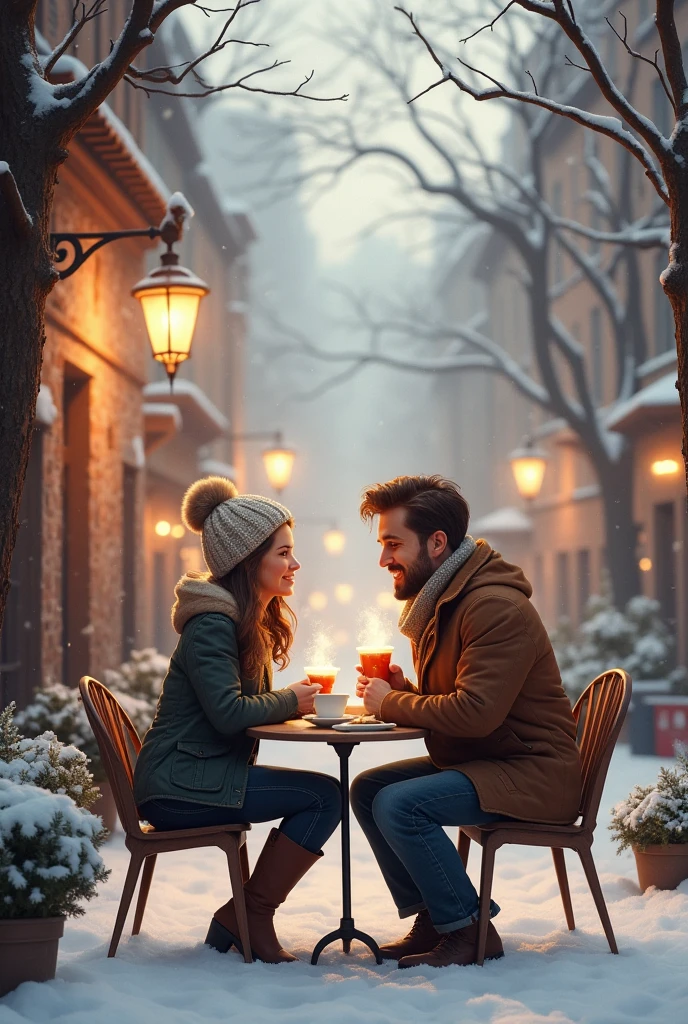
(486, 875)
(243, 855)
(237, 882)
(596, 890)
(125, 900)
(562, 878)
(464, 847)
(146, 879)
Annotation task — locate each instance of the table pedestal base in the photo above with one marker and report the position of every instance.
(347, 931)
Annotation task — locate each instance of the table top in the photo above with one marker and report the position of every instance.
(300, 731)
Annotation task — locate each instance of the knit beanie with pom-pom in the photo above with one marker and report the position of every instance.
(231, 525)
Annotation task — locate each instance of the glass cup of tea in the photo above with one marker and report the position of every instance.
(375, 661)
(323, 674)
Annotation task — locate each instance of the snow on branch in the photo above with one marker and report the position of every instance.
(612, 127)
(12, 197)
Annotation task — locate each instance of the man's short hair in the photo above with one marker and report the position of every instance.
(431, 502)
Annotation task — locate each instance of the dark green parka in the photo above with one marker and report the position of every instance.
(197, 748)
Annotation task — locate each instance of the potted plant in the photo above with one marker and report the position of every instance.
(653, 822)
(49, 860)
(58, 708)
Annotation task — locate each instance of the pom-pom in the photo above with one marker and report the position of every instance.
(202, 497)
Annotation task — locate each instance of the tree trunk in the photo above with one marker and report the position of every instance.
(620, 529)
(26, 273)
(675, 283)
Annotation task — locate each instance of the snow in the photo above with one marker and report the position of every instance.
(193, 399)
(661, 394)
(46, 410)
(503, 520)
(549, 975)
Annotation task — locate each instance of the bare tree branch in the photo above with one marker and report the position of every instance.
(96, 9)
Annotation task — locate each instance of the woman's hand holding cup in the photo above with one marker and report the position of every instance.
(305, 692)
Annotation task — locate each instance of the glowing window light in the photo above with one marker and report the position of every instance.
(344, 592)
(177, 531)
(385, 599)
(665, 467)
(645, 564)
(317, 600)
(163, 528)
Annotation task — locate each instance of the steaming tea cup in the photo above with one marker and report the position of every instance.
(375, 661)
(330, 705)
(323, 674)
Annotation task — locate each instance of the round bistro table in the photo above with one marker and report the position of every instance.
(300, 731)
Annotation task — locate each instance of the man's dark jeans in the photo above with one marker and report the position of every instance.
(309, 803)
(402, 807)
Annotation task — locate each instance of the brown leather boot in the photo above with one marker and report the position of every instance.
(421, 939)
(282, 863)
(457, 948)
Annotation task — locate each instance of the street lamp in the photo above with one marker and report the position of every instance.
(170, 295)
(334, 541)
(528, 466)
(278, 460)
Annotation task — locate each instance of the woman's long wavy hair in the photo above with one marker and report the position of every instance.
(262, 632)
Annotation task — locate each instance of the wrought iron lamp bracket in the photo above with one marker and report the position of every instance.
(65, 244)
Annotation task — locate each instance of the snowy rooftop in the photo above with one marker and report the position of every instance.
(502, 520)
(199, 414)
(657, 400)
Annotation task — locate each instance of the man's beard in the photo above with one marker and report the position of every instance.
(414, 577)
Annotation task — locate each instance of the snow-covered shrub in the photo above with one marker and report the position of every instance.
(49, 858)
(44, 761)
(636, 639)
(57, 708)
(655, 815)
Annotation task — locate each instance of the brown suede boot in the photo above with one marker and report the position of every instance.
(421, 939)
(457, 948)
(282, 863)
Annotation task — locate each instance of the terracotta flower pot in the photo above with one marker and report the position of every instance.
(28, 950)
(663, 866)
(105, 806)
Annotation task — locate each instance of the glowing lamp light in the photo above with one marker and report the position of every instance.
(279, 463)
(344, 592)
(645, 564)
(334, 541)
(163, 528)
(664, 467)
(170, 297)
(385, 599)
(317, 600)
(178, 531)
(528, 466)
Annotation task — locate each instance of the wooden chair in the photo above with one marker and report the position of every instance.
(599, 714)
(119, 745)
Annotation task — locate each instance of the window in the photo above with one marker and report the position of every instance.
(596, 356)
(563, 585)
(664, 319)
(583, 573)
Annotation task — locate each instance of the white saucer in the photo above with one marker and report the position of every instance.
(327, 723)
(365, 726)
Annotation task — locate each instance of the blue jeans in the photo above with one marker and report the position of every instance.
(309, 803)
(401, 808)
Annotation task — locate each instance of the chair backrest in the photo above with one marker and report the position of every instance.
(599, 712)
(118, 743)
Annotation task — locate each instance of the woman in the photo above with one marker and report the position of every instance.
(197, 766)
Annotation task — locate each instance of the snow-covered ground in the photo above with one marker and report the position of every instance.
(167, 976)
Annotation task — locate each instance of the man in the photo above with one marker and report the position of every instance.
(501, 736)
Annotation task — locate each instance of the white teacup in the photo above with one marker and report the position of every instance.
(330, 705)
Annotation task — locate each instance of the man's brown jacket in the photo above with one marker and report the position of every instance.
(490, 694)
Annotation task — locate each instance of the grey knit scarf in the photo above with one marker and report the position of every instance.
(418, 610)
